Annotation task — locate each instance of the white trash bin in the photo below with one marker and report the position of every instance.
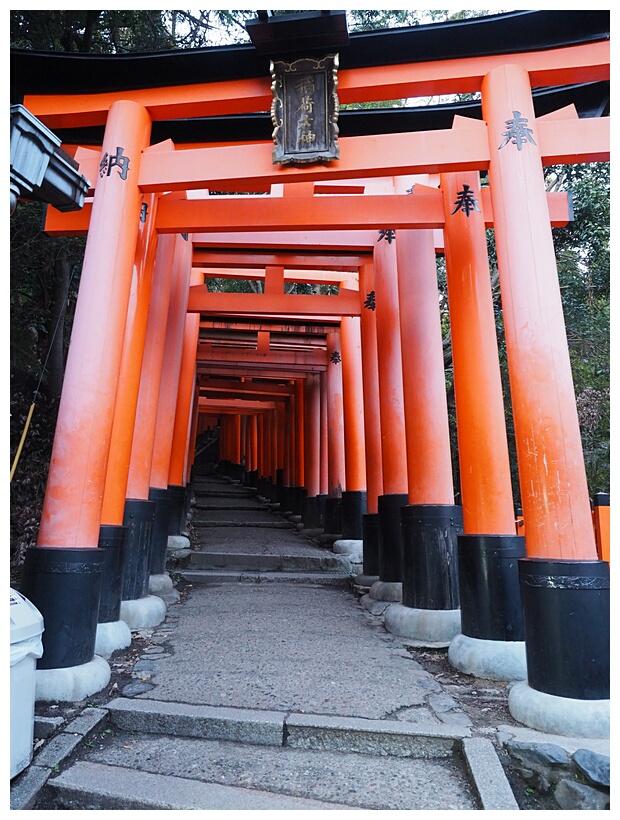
(26, 647)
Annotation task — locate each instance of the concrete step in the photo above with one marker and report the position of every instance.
(237, 505)
(224, 576)
(265, 563)
(210, 524)
(231, 492)
(164, 755)
(93, 786)
(339, 734)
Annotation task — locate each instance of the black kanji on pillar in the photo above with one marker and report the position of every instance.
(518, 133)
(465, 201)
(109, 161)
(369, 302)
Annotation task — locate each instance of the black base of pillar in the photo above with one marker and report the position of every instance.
(353, 509)
(139, 519)
(284, 498)
(298, 496)
(264, 488)
(390, 537)
(333, 516)
(65, 586)
(253, 478)
(370, 546)
(566, 616)
(489, 586)
(313, 512)
(112, 542)
(430, 564)
(176, 522)
(160, 496)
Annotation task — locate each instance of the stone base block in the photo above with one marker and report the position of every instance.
(351, 547)
(143, 613)
(492, 660)
(178, 542)
(74, 683)
(427, 627)
(162, 586)
(112, 636)
(374, 607)
(367, 581)
(557, 715)
(391, 591)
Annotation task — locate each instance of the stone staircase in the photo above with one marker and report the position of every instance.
(159, 756)
(240, 536)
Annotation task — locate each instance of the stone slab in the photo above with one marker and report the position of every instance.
(376, 737)
(242, 725)
(96, 786)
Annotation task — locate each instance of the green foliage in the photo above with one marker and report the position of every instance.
(34, 259)
(101, 32)
(583, 253)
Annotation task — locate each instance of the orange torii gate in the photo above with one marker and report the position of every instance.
(512, 145)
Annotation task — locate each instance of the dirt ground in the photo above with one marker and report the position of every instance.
(486, 704)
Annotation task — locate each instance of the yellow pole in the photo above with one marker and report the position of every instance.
(21, 443)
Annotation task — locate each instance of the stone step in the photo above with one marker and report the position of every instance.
(232, 492)
(277, 525)
(224, 576)
(165, 755)
(234, 505)
(392, 738)
(92, 786)
(265, 563)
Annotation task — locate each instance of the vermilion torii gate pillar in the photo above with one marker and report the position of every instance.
(430, 522)
(179, 455)
(372, 428)
(160, 582)
(312, 456)
(392, 415)
(62, 575)
(299, 449)
(565, 588)
(354, 495)
(490, 643)
(112, 632)
(336, 465)
(138, 608)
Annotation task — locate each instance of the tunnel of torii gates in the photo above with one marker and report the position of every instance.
(333, 406)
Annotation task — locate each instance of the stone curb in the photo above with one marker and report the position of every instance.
(487, 775)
